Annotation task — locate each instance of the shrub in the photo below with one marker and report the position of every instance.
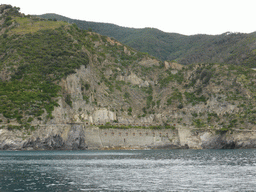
(126, 95)
(68, 100)
(30, 119)
(192, 98)
(129, 111)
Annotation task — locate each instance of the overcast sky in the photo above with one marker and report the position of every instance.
(180, 16)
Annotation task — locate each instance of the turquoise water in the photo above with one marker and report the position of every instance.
(138, 170)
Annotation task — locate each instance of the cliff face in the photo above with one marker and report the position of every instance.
(83, 137)
(59, 83)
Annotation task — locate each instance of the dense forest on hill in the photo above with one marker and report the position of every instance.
(234, 48)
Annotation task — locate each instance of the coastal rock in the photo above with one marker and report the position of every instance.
(61, 137)
(82, 137)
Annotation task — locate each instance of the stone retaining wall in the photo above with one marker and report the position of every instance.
(96, 137)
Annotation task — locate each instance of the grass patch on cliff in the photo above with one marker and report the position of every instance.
(31, 25)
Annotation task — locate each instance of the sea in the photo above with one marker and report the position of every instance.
(133, 170)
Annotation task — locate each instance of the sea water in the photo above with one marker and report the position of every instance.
(137, 170)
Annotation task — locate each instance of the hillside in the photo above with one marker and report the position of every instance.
(55, 74)
(233, 48)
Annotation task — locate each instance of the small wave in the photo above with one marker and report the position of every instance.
(112, 154)
(50, 185)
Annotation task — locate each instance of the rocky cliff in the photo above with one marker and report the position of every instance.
(60, 85)
(84, 137)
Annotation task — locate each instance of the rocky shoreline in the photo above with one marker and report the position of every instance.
(81, 137)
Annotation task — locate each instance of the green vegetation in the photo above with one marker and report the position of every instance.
(176, 96)
(126, 95)
(129, 111)
(86, 98)
(199, 123)
(31, 25)
(235, 48)
(222, 130)
(68, 100)
(149, 98)
(43, 55)
(171, 78)
(192, 98)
